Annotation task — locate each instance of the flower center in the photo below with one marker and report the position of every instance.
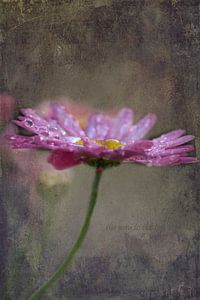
(110, 143)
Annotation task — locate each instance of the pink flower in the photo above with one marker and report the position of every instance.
(103, 142)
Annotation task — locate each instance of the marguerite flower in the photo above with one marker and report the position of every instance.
(105, 140)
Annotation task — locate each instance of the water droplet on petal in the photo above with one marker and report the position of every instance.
(29, 122)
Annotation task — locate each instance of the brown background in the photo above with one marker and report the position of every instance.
(144, 239)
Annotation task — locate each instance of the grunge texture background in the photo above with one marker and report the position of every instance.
(144, 238)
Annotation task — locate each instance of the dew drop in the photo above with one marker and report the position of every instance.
(29, 122)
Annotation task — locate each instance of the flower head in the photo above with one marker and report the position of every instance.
(104, 141)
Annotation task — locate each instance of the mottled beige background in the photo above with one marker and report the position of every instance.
(144, 238)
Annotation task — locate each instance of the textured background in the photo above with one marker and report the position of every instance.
(144, 238)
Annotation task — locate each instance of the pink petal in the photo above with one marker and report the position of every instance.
(121, 124)
(171, 160)
(24, 142)
(36, 141)
(141, 128)
(164, 161)
(157, 161)
(188, 160)
(63, 159)
(156, 151)
(182, 140)
(66, 121)
(98, 126)
(172, 135)
(38, 125)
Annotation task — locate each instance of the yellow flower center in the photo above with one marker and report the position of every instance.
(109, 144)
(79, 142)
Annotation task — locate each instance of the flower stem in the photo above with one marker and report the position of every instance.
(67, 261)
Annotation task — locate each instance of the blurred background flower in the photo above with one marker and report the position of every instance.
(40, 194)
(7, 105)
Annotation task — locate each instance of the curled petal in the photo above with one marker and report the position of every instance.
(63, 159)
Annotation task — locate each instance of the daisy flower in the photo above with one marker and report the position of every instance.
(104, 141)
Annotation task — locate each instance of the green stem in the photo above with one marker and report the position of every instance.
(67, 261)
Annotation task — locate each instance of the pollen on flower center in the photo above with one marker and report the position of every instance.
(79, 142)
(110, 143)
